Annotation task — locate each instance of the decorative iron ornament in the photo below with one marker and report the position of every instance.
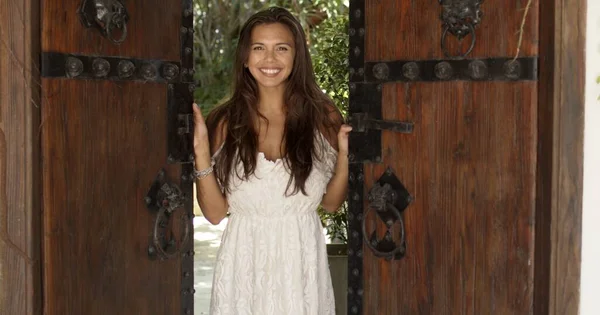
(389, 198)
(488, 69)
(58, 65)
(460, 17)
(165, 199)
(106, 16)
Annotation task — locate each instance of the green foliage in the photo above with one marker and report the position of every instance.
(330, 61)
(216, 28)
(330, 58)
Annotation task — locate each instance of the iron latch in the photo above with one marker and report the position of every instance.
(360, 122)
(186, 123)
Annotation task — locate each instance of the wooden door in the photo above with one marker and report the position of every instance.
(444, 150)
(115, 133)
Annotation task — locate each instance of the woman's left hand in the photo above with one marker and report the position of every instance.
(342, 138)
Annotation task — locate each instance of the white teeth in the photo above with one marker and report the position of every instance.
(270, 71)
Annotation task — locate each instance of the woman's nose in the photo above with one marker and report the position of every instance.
(270, 54)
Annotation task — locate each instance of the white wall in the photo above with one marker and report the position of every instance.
(590, 265)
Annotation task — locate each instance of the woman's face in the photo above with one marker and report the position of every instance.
(271, 56)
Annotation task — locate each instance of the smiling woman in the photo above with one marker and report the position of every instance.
(279, 150)
(271, 56)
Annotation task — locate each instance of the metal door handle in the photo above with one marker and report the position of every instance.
(165, 199)
(389, 198)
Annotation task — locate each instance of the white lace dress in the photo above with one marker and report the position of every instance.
(273, 258)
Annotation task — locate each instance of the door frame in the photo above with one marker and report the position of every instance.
(559, 181)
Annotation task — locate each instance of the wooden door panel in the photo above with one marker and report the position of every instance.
(411, 30)
(153, 30)
(106, 137)
(101, 154)
(471, 221)
(469, 162)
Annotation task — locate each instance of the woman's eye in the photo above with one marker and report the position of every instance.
(257, 48)
(282, 48)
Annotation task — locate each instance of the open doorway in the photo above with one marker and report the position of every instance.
(216, 27)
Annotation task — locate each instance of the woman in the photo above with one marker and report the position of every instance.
(277, 150)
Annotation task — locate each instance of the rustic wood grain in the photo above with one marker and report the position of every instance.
(560, 167)
(20, 288)
(103, 143)
(153, 31)
(470, 164)
(412, 30)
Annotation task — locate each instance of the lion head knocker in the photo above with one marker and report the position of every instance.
(459, 18)
(106, 16)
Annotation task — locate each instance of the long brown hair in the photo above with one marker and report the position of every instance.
(308, 110)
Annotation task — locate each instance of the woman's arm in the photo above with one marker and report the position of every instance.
(337, 188)
(208, 193)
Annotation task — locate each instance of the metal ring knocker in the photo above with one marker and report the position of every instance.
(168, 202)
(171, 199)
(105, 15)
(396, 250)
(389, 198)
(471, 31)
(459, 18)
(109, 28)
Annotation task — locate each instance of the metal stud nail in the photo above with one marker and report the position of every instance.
(100, 67)
(478, 69)
(381, 71)
(443, 70)
(512, 69)
(148, 71)
(170, 71)
(73, 67)
(125, 69)
(410, 70)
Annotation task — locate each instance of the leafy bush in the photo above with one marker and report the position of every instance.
(330, 61)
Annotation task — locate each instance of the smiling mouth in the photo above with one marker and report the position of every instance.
(270, 71)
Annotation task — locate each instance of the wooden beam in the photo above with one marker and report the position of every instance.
(20, 209)
(560, 157)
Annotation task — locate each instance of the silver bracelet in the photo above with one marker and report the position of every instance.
(196, 174)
